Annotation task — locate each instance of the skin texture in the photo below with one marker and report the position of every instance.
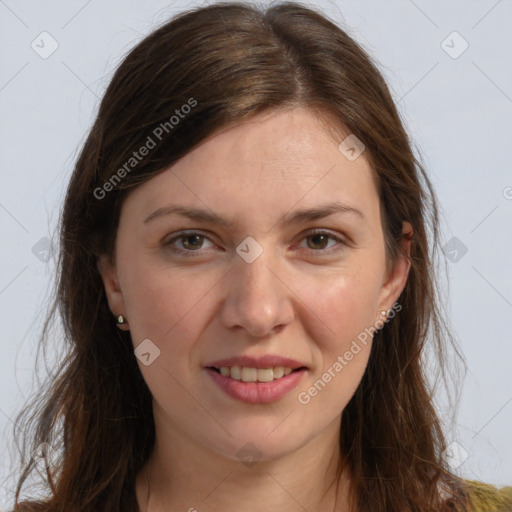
(299, 299)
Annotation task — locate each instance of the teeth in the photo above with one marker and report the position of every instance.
(278, 372)
(248, 374)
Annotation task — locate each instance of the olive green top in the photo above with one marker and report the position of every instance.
(488, 498)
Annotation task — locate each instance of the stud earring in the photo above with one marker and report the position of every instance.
(120, 320)
(383, 313)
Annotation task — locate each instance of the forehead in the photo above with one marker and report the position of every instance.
(265, 166)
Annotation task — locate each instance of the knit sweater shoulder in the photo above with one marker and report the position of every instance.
(489, 498)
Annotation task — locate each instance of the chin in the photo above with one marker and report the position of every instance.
(259, 440)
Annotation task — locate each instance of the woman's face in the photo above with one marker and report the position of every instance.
(259, 284)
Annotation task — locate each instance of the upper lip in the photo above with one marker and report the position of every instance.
(267, 361)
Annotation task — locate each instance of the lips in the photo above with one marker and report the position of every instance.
(256, 380)
(257, 392)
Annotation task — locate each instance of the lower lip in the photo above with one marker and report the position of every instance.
(257, 392)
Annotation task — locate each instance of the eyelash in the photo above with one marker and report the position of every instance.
(199, 252)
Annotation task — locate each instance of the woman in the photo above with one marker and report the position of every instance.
(246, 284)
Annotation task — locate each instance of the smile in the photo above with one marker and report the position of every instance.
(248, 374)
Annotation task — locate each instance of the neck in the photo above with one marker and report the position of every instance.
(184, 475)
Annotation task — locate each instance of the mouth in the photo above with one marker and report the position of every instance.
(256, 385)
(250, 374)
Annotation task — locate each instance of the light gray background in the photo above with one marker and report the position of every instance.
(457, 110)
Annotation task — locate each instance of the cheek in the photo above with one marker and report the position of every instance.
(168, 308)
(341, 306)
(156, 302)
(167, 305)
(343, 340)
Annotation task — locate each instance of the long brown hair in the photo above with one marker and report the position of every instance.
(230, 61)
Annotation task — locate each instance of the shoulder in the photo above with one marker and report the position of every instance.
(488, 498)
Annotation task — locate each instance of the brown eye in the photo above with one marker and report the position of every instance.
(319, 241)
(192, 241)
(187, 243)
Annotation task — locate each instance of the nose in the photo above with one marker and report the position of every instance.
(258, 299)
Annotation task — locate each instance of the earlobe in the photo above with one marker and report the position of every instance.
(112, 289)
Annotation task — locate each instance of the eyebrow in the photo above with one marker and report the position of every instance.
(295, 217)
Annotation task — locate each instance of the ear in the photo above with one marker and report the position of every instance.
(113, 292)
(397, 276)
